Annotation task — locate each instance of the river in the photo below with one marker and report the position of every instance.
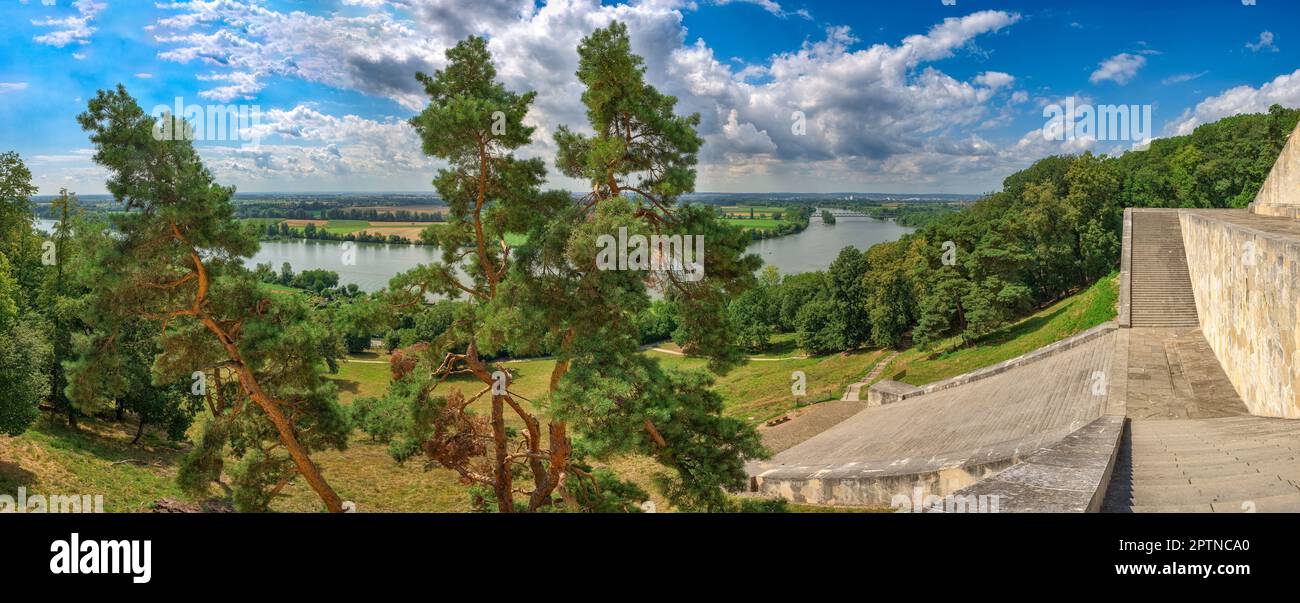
(813, 249)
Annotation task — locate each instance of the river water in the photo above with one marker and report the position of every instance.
(813, 249)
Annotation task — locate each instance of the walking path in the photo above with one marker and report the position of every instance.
(855, 389)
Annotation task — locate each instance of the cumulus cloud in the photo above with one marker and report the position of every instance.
(302, 143)
(1283, 90)
(1120, 68)
(247, 43)
(880, 111)
(73, 29)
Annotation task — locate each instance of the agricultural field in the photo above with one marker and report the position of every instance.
(755, 218)
(415, 209)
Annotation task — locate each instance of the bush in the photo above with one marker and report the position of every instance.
(380, 418)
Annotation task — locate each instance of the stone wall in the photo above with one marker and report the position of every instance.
(1280, 195)
(1246, 278)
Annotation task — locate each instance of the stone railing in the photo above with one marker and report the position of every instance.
(1280, 195)
(1125, 310)
(1067, 477)
(887, 392)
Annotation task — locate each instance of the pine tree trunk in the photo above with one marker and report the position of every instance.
(503, 482)
(297, 452)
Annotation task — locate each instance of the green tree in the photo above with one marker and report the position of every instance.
(23, 383)
(177, 259)
(25, 352)
(941, 312)
(820, 330)
(16, 190)
(846, 293)
(57, 303)
(751, 318)
(550, 295)
(889, 293)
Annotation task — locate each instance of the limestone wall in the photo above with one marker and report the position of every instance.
(1246, 278)
(1280, 195)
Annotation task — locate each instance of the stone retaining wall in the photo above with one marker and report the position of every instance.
(1247, 287)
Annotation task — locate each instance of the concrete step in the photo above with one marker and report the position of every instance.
(1282, 503)
(1188, 508)
(1182, 494)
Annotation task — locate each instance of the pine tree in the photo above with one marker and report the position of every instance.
(549, 295)
(176, 260)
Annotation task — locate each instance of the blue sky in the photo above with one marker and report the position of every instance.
(898, 96)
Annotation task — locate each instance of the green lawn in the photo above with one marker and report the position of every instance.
(342, 227)
(1067, 317)
(760, 390)
(755, 224)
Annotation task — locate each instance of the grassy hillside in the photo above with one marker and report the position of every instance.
(1067, 317)
(98, 458)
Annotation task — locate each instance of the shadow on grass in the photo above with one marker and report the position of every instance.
(13, 477)
(782, 348)
(346, 385)
(107, 441)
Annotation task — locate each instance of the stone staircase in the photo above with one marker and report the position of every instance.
(854, 391)
(1235, 464)
(1162, 289)
(1191, 444)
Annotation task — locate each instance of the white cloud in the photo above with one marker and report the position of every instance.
(1265, 42)
(1182, 77)
(7, 87)
(874, 114)
(247, 43)
(1283, 90)
(70, 30)
(302, 143)
(1120, 68)
(770, 6)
